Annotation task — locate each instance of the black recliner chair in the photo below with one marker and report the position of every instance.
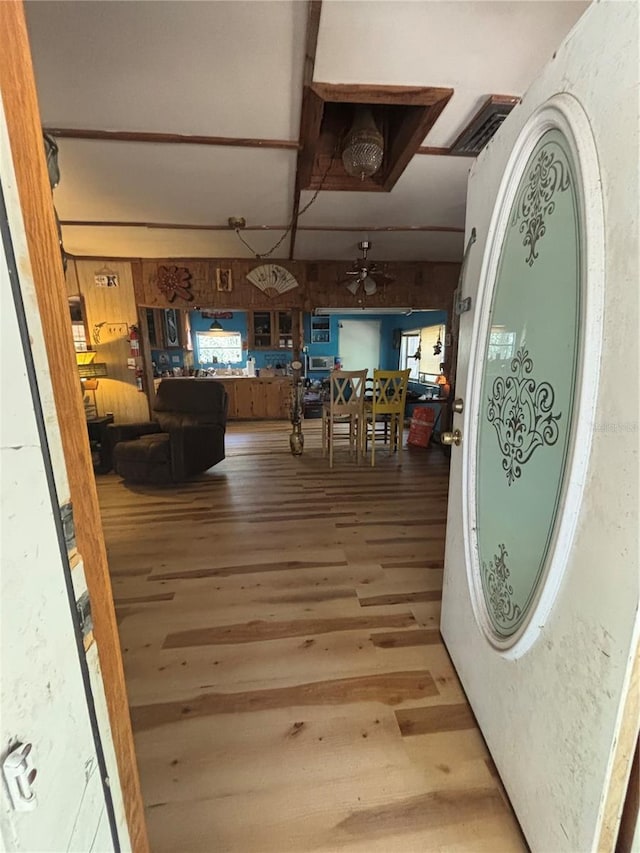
(185, 437)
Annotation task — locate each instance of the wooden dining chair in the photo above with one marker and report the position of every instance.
(345, 406)
(385, 406)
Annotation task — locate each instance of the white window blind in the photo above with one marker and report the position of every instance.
(219, 348)
(428, 365)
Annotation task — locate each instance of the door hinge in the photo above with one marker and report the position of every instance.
(463, 305)
(83, 606)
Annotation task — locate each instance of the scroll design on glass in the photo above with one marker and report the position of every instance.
(521, 410)
(499, 590)
(548, 175)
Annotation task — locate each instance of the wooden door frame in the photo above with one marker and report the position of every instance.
(18, 89)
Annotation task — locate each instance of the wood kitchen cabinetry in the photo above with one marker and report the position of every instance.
(270, 330)
(168, 328)
(258, 398)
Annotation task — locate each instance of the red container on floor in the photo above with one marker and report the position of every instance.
(421, 426)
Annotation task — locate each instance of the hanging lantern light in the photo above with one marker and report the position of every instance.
(364, 146)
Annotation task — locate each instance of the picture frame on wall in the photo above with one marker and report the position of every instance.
(224, 280)
(171, 328)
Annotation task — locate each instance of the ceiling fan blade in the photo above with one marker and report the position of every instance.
(370, 286)
(353, 286)
(383, 278)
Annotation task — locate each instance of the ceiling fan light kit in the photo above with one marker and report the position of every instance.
(364, 273)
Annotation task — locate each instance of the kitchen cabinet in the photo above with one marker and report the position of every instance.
(154, 317)
(258, 398)
(270, 330)
(320, 330)
(167, 328)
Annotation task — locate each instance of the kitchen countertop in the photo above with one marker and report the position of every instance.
(227, 376)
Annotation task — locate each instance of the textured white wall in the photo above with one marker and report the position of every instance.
(43, 696)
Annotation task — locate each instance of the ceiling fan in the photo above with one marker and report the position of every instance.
(364, 273)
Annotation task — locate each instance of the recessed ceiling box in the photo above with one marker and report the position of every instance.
(402, 117)
(484, 125)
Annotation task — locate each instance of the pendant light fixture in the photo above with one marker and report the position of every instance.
(364, 146)
(216, 328)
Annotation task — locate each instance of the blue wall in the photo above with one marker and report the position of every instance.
(389, 357)
(174, 358)
(238, 323)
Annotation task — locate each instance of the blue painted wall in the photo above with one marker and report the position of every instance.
(389, 356)
(173, 358)
(238, 323)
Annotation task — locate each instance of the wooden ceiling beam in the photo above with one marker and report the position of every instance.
(364, 93)
(186, 139)
(314, 10)
(169, 138)
(179, 226)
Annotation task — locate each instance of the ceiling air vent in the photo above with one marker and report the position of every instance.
(484, 125)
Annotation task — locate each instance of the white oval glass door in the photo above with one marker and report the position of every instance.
(528, 386)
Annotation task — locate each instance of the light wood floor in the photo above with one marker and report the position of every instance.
(288, 686)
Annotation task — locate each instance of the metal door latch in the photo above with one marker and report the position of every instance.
(19, 775)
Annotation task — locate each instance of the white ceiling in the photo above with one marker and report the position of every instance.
(233, 68)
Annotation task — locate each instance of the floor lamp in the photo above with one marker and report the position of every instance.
(90, 372)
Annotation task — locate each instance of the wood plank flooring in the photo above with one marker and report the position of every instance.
(289, 689)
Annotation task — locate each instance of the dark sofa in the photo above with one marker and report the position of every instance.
(185, 437)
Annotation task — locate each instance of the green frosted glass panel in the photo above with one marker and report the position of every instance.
(528, 384)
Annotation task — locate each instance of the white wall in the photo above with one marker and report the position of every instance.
(45, 700)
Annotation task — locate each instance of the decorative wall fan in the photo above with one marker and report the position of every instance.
(364, 273)
(272, 279)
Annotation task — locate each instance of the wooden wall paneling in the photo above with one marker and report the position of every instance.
(24, 128)
(297, 330)
(232, 412)
(203, 288)
(424, 285)
(145, 343)
(138, 286)
(71, 279)
(147, 361)
(110, 313)
(629, 823)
